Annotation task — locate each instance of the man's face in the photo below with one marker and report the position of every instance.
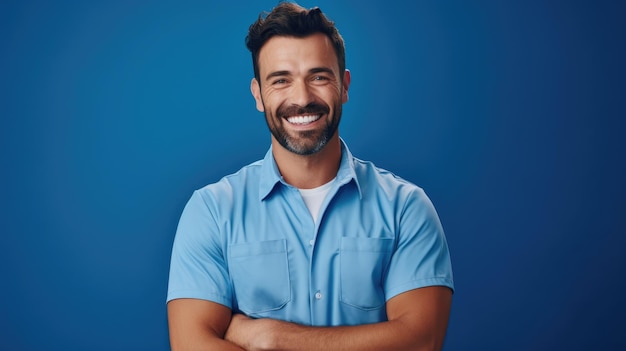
(300, 91)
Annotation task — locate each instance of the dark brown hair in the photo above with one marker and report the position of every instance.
(290, 19)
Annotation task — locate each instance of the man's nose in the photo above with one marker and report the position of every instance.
(301, 94)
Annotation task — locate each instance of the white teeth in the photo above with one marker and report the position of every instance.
(303, 119)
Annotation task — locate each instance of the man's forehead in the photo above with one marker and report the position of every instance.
(286, 50)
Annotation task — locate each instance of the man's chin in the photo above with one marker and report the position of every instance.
(304, 148)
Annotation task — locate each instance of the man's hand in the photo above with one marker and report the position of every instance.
(253, 334)
(242, 331)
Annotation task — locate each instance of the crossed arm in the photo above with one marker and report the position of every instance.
(417, 320)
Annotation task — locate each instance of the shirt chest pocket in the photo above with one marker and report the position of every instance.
(260, 275)
(363, 261)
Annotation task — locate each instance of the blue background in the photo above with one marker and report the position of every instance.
(510, 114)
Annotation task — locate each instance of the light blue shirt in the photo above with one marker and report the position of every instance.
(248, 242)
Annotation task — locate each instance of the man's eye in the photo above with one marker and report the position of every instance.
(280, 81)
(320, 78)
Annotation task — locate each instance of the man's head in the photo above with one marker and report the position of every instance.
(300, 77)
(291, 20)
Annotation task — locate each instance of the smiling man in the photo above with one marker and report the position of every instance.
(309, 248)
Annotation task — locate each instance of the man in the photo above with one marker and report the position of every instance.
(310, 248)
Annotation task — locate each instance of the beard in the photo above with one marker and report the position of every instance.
(304, 142)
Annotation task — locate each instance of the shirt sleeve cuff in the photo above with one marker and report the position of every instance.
(421, 283)
(200, 295)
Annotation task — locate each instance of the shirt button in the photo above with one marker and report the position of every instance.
(311, 242)
(318, 295)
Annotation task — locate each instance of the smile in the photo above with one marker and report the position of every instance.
(302, 120)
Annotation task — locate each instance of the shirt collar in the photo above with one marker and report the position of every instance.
(270, 176)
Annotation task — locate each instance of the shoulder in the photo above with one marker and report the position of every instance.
(234, 181)
(376, 180)
(221, 195)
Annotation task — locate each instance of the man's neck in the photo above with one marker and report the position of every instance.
(311, 171)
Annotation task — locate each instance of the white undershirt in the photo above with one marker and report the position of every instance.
(313, 198)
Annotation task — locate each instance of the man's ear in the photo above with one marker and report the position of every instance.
(346, 85)
(255, 88)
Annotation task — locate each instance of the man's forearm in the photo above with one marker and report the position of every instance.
(213, 344)
(391, 335)
(268, 334)
(418, 320)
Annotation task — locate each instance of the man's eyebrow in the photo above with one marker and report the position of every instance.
(277, 74)
(322, 70)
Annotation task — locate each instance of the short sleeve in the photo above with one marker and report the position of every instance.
(198, 268)
(421, 256)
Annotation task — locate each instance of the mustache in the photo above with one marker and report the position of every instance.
(313, 108)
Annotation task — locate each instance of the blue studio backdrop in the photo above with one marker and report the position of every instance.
(510, 114)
